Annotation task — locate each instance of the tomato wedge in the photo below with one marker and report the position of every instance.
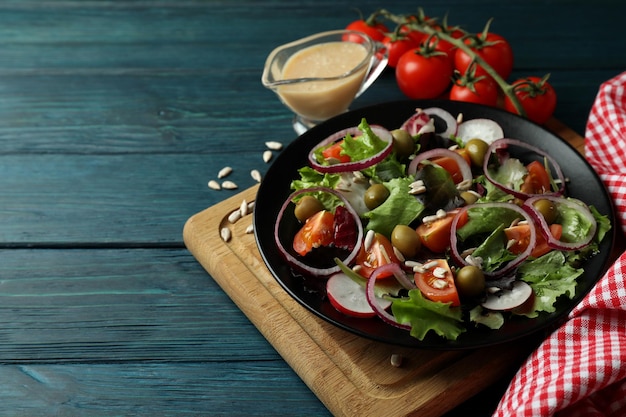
(436, 282)
(317, 231)
(334, 152)
(537, 181)
(520, 234)
(451, 166)
(379, 253)
(436, 235)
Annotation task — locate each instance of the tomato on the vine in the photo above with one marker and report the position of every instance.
(472, 89)
(396, 46)
(494, 49)
(536, 96)
(424, 73)
(445, 46)
(370, 26)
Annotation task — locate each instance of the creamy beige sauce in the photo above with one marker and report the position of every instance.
(320, 100)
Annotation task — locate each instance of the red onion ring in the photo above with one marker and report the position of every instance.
(466, 170)
(292, 260)
(503, 144)
(371, 296)
(545, 228)
(379, 131)
(450, 121)
(416, 123)
(512, 264)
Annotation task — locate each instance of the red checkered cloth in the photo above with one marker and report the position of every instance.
(580, 369)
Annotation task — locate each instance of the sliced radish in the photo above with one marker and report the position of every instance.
(485, 129)
(505, 300)
(349, 298)
(451, 125)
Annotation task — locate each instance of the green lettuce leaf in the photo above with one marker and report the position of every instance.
(492, 319)
(424, 315)
(399, 208)
(486, 220)
(493, 250)
(550, 278)
(311, 178)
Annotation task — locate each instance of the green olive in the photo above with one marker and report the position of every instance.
(547, 209)
(470, 198)
(403, 143)
(306, 207)
(375, 196)
(406, 240)
(477, 148)
(470, 281)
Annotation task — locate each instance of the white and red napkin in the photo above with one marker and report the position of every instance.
(580, 369)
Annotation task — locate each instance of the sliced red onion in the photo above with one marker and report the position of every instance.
(449, 120)
(379, 131)
(395, 269)
(456, 255)
(292, 260)
(503, 144)
(418, 123)
(545, 228)
(466, 170)
(486, 129)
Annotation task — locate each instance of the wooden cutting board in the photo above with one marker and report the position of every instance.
(351, 375)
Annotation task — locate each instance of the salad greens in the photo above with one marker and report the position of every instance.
(551, 275)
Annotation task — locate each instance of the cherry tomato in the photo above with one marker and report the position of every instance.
(334, 152)
(435, 236)
(437, 283)
(379, 253)
(537, 181)
(445, 46)
(423, 73)
(396, 47)
(371, 27)
(520, 234)
(317, 231)
(537, 97)
(480, 90)
(494, 49)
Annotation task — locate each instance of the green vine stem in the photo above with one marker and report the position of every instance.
(428, 28)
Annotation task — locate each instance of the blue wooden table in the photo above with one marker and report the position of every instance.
(114, 115)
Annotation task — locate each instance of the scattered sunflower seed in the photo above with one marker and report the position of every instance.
(369, 239)
(229, 185)
(234, 216)
(396, 360)
(250, 206)
(439, 272)
(250, 229)
(224, 172)
(267, 156)
(214, 185)
(243, 208)
(273, 145)
(225, 234)
(256, 175)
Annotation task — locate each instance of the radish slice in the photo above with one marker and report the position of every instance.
(359, 165)
(418, 123)
(505, 300)
(447, 118)
(349, 298)
(485, 129)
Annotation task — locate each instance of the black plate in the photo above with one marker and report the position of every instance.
(584, 184)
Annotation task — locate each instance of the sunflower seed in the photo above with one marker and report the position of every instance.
(250, 206)
(250, 229)
(256, 175)
(430, 264)
(439, 272)
(369, 239)
(396, 360)
(234, 216)
(273, 145)
(267, 156)
(225, 234)
(243, 208)
(229, 185)
(224, 172)
(214, 185)
(398, 254)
